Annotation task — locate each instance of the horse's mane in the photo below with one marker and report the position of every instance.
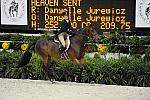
(79, 36)
(81, 31)
(77, 33)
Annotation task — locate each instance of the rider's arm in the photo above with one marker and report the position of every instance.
(63, 26)
(70, 27)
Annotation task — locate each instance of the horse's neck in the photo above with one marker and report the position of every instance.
(77, 44)
(79, 39)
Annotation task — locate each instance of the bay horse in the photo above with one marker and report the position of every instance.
(48, 48)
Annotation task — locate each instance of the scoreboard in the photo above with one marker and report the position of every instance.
(108, 15)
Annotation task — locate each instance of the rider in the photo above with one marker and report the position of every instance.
(13, 3)
(65, 30)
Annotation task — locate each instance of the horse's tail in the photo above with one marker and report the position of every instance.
(26, 56)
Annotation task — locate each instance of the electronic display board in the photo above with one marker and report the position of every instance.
(108, 15)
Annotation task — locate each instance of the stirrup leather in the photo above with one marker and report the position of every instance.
(68, 39)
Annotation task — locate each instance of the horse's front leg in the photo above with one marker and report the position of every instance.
(82, 66)
(80, 63)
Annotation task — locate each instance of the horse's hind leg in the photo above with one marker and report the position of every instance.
(13, 13)
(45, 67)
(10, 13)
(16, 13)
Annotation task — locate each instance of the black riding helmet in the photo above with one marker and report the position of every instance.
(65, 13)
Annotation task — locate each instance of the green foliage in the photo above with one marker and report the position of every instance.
(18, 37)
(109, 39)
(18, 40)
(113, 38)
(8, 63)
(125, 71)
(131, 71)
(9, 66)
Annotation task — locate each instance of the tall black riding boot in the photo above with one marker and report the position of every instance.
(62, 49)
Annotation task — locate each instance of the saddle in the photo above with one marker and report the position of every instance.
(64, 55)
(56, 40)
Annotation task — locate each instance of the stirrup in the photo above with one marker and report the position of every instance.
(68, 39)
(62, 49)
(64, 55)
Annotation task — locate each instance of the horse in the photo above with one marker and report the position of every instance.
(12, 9)
(47, 48)
(147, 11)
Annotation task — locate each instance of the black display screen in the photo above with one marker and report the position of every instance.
(108, 15)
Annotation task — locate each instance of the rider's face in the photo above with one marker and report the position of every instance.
(66, 17)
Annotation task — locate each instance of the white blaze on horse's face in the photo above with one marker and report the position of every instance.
(66, 17)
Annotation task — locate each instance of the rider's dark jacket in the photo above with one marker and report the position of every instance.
(66, 27)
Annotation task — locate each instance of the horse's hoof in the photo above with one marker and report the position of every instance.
(52, 81)
(92, 82)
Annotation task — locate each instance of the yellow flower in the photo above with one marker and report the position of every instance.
(24, 46)
(102, 49)
(5, 45)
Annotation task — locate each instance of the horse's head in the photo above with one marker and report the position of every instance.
(91, 32)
